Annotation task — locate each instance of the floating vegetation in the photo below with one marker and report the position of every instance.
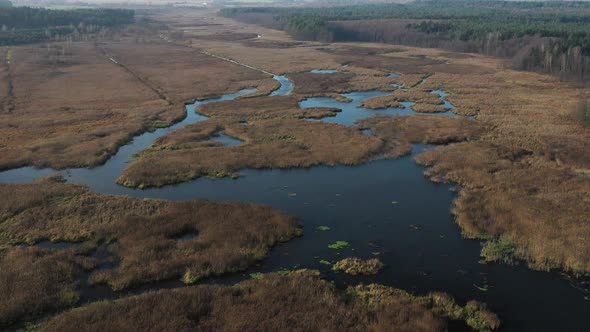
(355, 266)
(257, 275)
(485, 288)
(497, 251)
(323, 228)
(339, 245)
(292, 194)
(325, 262)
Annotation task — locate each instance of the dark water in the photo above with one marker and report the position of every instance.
(385, 209)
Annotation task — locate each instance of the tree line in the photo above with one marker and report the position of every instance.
(542, 36)
(21, 25)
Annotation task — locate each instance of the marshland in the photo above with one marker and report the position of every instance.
(211, 169)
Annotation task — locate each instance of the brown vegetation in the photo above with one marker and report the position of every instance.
(428, 108)
(398, 96)
(142, 234)
(426, 129)
(66, 110)
(355, 266)
(33, 281)
(307, 84)
(526, 178)
(299, 301)
(272, 143)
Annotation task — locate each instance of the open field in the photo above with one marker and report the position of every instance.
(75, 104)
(299, 301)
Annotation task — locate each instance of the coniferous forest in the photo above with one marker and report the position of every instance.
(23, 25)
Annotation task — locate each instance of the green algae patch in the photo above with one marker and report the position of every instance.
(339, 245)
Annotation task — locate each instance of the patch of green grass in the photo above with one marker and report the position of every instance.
(189, 278)
(497, 251)
(323, 228)
(283, 272)
(257, 275)
(325, 262)
(339, 245)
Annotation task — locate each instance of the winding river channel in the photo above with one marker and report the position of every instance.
(385, 209)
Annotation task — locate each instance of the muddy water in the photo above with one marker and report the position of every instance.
(385, 209)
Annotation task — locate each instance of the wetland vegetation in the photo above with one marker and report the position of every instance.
(311, 134)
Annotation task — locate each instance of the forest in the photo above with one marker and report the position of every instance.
(22, 25)
(539, 36)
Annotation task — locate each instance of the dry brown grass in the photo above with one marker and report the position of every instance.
(273, 143)
(428, 108)
(381, 102)
(33, 281)
(142, 234)
(355, 266)
(426, 129)
(297, 302)
(394, 100)
(75, 107)
(307, 84)
(529, 202)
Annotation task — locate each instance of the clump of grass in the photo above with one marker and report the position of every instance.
(323, 228)
(498, 250)
(355, 266)
(325, 262)
(257, 275)
(474, 313)
(339, 245)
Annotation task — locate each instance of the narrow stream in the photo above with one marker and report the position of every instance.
(385, 209)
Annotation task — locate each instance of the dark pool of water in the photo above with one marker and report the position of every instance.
(385, 209)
